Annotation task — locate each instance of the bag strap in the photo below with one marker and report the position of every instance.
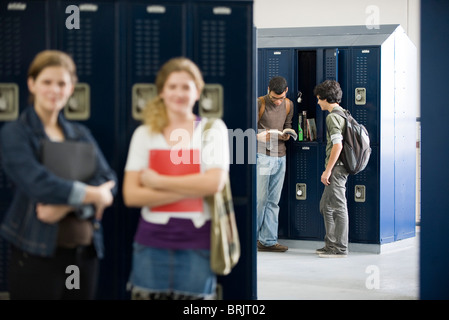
(341, 113)
(208, 124)
(262, 106)
(288, 104)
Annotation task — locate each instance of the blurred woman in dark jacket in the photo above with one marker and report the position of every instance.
(52, 222)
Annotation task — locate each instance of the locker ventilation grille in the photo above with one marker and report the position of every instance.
(301, 167)
(361, 71)
(273, 68)
(361, 115)
(146, 47)
(79, 46)
(301, 219)
(331, 67)
(10, 46)
(213, 48)
(360, 222)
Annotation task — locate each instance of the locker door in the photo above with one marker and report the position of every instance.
(94, 104)
(305, 221)
(279, 62)
(223, 49)
(154, 33)
(363, 204)
(23, 33)
(149, 34)
(370, 220)
(365, 90)
(326, 69)
(331, 64)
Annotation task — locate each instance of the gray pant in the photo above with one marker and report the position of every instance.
(334, 209)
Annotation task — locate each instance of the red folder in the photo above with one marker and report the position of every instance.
(176, 163)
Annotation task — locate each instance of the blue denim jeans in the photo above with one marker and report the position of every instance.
(183, 272)
(270, 180)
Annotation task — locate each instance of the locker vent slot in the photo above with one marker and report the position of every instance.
(79, 46)
(301, 168)
(10, 46)
(273, 67)
(361, 177)
(301, 219)
(361, 115)
(361, 71)
(146, 47)
(359, 220)
(331, 67)
(213, 48)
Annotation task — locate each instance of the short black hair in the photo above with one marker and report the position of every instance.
(329, 90)
(277, 84)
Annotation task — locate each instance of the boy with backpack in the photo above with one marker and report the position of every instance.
(333, 205)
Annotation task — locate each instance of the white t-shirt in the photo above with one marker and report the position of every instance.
(214, 154)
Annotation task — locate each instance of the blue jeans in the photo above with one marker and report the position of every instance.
(270, 180)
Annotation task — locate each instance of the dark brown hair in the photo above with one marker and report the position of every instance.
(329, 90)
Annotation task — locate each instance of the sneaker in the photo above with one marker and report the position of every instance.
(321, 250)
(332, 254)
(274, 248)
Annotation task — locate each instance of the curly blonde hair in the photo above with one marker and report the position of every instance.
(155, 113)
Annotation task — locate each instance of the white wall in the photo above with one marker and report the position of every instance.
(306, 13)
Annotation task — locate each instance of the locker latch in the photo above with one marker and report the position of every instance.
(359, 193)
(360, 96)
(141, 94)
(211, 101)
(301, 191)
(9, 101)
(78, 105)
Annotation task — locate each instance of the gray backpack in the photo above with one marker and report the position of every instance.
(356, 144)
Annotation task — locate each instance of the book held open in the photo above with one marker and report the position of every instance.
(288, 131)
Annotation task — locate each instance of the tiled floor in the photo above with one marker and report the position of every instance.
(299, 274)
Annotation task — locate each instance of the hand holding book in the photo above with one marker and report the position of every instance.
(285, 133)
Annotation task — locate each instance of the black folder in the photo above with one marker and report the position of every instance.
(71, 160)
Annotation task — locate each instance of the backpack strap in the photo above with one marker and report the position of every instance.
(262, 107)
(341, 113)
(288, 104)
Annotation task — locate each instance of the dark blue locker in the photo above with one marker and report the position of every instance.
(280, 63)
(149, 34)
(305, 220)
(222, 34)
(364, 205)
(366, 74)
(23, 33)
(276, 63)
(371, 221)
(93, 47)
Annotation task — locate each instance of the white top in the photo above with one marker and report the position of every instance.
(214, 154)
